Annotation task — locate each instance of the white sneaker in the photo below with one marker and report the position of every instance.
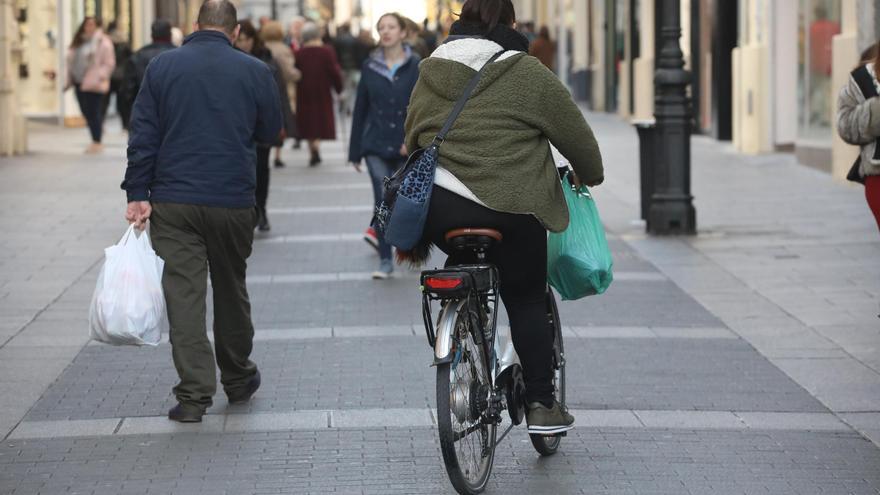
(386, 268)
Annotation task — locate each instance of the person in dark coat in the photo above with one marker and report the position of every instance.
(250, 42)
(137, 64)
(377, 126)
(314, 99)
(122, 51)
(191, 172)
(348, 53)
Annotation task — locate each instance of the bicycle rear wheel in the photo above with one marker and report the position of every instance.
(467, 444)
(544, 444)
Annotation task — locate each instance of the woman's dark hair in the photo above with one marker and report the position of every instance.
(79, 38)
(875, 52)
(488, 13)
(247, 28)
(397, 17)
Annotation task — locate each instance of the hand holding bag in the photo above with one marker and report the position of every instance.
(128, 306)
(407, 194)
(579, 262)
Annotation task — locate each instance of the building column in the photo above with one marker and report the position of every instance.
(845, 56)
(580, 62)
(525, 10)
(751, 80)
(643, 66)
(141, 23)
(12, 125)
(597, 69)
(623, 109)
(785, 73)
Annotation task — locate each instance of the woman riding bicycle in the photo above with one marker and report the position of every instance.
(496, 171)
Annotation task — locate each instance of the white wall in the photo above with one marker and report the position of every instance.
(785, 71)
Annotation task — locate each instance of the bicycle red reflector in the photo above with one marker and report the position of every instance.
(442, 283)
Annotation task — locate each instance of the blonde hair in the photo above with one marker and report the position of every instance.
(272, 31)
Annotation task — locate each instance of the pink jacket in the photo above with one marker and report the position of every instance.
(97, 78)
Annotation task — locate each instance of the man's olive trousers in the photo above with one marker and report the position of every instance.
(195, 241)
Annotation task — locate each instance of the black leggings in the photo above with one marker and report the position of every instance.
(521, 259)
(262, 192)
(92, 107)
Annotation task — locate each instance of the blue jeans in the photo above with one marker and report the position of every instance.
(380, 168)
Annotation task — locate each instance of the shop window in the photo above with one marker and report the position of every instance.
(819, 23)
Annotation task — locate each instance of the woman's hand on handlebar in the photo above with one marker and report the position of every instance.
(576, 181)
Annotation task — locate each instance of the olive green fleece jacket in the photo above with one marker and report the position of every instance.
(499, 147)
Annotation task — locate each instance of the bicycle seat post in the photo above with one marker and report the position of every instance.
(481, 255)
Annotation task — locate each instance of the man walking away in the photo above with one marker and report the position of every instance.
(191, 172)
(137, 64)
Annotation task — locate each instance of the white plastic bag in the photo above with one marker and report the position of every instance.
(128, 307)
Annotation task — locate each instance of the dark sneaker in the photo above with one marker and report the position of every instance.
(279, 163)
(263, 223)
(249, 390)
(186, 414)
(545, 420)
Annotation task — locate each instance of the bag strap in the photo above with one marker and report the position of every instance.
(462, 101)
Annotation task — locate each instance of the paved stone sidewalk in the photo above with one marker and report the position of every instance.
(785, 257)
(683, 376)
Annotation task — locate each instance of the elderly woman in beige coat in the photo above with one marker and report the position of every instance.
(90, 63)
(272, 35)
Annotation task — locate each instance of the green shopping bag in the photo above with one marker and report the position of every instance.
(578, 260)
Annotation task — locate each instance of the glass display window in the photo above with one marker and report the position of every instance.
(819, 22)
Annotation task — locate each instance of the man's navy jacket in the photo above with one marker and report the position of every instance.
(194, 125)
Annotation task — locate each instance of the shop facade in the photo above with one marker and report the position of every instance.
(793, 58)
(44, 29)
(765, 73)
(12, 125)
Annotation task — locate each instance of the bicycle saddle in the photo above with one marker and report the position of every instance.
(473, 239)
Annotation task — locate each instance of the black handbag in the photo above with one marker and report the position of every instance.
(854, 174)
(406, 195)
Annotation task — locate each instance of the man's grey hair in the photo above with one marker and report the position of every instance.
(310, 32)
(218, 14)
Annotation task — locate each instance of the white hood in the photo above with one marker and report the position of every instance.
(473, 52)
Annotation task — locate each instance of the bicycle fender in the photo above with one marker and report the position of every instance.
(446, 332)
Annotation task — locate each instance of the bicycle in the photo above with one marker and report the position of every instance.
(479, 376)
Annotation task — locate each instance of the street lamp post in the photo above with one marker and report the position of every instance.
(672, 211)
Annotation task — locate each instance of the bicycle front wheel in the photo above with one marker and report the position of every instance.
(467, 444)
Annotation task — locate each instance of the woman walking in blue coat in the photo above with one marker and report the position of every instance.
(387, 80)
